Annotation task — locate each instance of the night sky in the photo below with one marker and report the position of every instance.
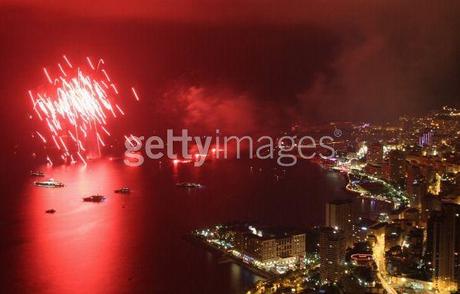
(243, 65)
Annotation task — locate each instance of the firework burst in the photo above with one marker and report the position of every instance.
(76, 107)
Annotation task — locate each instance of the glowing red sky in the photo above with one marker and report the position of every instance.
(212, 10)
(307, 60)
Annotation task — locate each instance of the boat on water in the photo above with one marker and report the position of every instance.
(189, 185)
(124, 190)
(36, 174)
(94, 198)
(51, 183)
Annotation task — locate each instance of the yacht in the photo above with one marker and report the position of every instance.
(36, 174)
(94, 198)
(124, 190)
(51, 183)
(189, 185)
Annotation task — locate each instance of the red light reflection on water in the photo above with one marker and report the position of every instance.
(80, 248)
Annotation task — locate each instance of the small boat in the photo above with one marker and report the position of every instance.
(124, 190)
(189, 185)
(50, 211)
(51, 183)
(36, 174)
(94, 198)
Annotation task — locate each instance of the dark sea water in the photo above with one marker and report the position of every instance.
(135, 243)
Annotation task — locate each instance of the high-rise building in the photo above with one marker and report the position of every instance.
(397, 167)
(416, 187)
(444, 232)
(312, 240)
(339, 216)
(426, 139)
(430, 204)
(332, 254)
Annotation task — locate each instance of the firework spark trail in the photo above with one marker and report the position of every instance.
(135, 93)
(76, 104)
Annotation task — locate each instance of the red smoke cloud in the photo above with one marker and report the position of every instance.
(206, 108)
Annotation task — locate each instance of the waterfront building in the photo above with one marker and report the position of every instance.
(270, 248)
